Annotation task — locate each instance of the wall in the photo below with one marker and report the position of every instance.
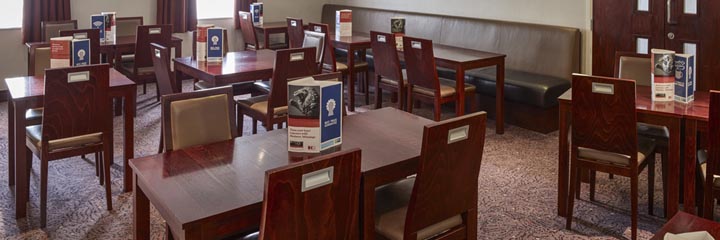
(570, 13)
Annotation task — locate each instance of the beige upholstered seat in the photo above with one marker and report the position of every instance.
(394, 81)
(260, 103)
(342, 66)
(391, 209)
(189, 121)
(702, 157)
(127, 26)
(34, 114)
(127, 58)
(42, 60)
(128, 66)
(646, 147)
(34, 134)
(447, 88)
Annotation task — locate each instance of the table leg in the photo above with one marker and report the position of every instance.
(367, 210)
(11, 143)
(690, 155)
(673, 167)
(563, 159)
(351, 78)
(129, 142)
(266, 35)
(460, 91)
(500, 98)
(22, 191)
(141, 213)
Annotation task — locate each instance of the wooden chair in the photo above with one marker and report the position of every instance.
(604, 137)
(441, 202)
(165, 76)
(76, 121)
(331, 64)
(51, 29)
(271, 109)
(389, 74)
(250, 36)
(198, 117)
(38, 61)
(140, 69)
(296, 32)
(423, 80)
(127, 26)
(93, 35)
(710, 169)
(634, 66)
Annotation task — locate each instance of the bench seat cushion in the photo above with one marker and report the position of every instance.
(522, 87)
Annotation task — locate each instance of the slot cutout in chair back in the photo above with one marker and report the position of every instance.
(603, 88)
(78, 77)
(317, 179)
(458, 134)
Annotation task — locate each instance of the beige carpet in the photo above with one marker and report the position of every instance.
(517, 191)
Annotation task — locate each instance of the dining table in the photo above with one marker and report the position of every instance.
(216, 190)
(235, 67)
(270, 28)
(357, 43)
(683, 121)
(683, 223)
(27, 93)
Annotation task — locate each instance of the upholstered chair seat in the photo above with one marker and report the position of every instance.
(259, 104)
(702, 160)
(34, 114)
(128, 66)
(646, 147)
(34, 134)
(394, 81)
(447, 88)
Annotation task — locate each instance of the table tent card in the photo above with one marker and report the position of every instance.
(256, 10)
(343, 23)
(215, 38)
(314, 115)
(97, 21)
(110, 26)
(67, 51)
(684, 78)
(201, 41)
(663, 75)
(397, 28)
(80, 50)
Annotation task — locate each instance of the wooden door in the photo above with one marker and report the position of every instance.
(624, 26)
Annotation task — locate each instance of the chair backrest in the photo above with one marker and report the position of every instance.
(38, 59)
(248, 30)
(126, 26)
(313, 199)
(329, 54)
(296, 32)
(316, 40)
(226, 45)
(163, 73)
(93, 35)
(146, 34)
(51, 29)
(386, 56)
(713, 161)
(603, 114)
(290, 64)
(634, 66)
(420, 63)
(76, 102)
(199, 117)
(446, 183)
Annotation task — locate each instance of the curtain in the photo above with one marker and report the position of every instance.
(241, 5)
(182, 14)
(36, 11)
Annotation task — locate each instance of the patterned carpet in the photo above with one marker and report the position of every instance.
(517, 191)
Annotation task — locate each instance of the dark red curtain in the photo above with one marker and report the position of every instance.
(182, 14)
(36, 11)
(241, 5)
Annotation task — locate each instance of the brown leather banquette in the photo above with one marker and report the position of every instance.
(539, 64)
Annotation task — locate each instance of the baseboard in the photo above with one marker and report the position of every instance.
(4, 95)
(542, 120)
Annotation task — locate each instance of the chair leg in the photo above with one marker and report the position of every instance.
(106, 175)
(162, 142)
(101, 165)
(634, 206)
(437, 110)
(473, 102)
(240, 121)
(651, 185)
(611, 176)
(409, 101)
(97, 166)
(168, 232)
(663, 166)
(579, 182)
(43, 191)
(254, 126)
(378, 93)
(574, 180)
(29, 161)
(593, 175)
(366, 81)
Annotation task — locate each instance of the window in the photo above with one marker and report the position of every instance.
(11, 14)
(207, 9)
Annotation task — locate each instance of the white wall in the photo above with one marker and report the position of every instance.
(570, 13)
(82, 9)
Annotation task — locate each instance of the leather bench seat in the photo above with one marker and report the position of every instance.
(522, 87)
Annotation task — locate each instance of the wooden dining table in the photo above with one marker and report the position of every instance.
(27, 93)
(684, 222)
(269, 28)
(357, 43)
(235, 67)
(681, 119)
(214, 190)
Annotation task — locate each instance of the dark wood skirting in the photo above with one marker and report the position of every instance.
(522, 115)
(4, 95)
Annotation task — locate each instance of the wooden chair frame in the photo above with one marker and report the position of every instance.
(387, 65)
(296, 32)
(44, 25)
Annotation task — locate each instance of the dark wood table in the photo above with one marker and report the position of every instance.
(236, 67)
(668, 114)
(113, 51)
(356, 43)
(27, 93)
(684, 222)
(269, 28)
(209, 191)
